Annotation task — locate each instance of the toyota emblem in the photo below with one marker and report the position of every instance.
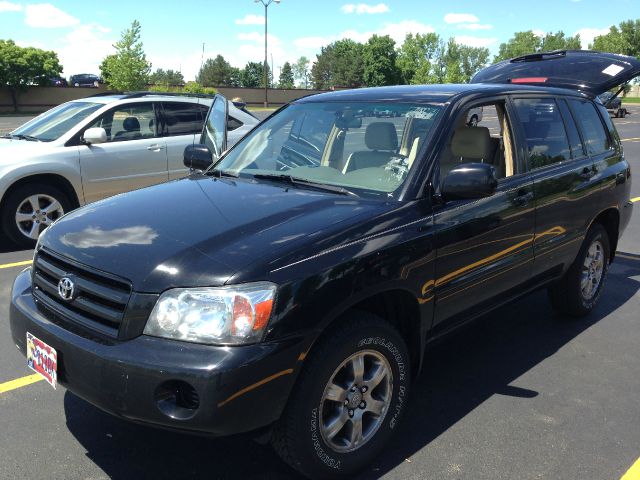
(66, 289)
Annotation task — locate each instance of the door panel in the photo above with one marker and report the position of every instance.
(133, 156)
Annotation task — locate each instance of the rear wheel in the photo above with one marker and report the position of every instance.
(31, 208)
(623, 112)
(577, 293)
(348, 400)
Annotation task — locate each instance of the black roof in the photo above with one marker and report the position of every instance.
(428, 93)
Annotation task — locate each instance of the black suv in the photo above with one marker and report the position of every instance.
(293, 291)
(613, 104)
(85, 80)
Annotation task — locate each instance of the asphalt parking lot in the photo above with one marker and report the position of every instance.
(522, 394)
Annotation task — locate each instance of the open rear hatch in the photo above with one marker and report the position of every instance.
(586, 71)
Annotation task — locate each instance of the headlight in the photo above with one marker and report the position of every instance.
(213, 315)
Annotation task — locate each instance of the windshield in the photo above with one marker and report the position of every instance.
(54, 123)
(366, 148)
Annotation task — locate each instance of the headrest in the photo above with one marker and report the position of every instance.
(131, 124)
(471, 142)
(381, 136)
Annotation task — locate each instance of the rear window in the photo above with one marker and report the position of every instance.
(544, 131)
(593, 133)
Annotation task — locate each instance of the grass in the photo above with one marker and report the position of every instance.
(631, 100)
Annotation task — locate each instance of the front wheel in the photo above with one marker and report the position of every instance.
(577, 293)
(31, 208)
(348, 400)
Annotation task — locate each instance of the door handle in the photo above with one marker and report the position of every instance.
(523, 198)
(587, 173)
(155, 147)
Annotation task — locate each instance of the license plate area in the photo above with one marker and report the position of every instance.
(42, 359)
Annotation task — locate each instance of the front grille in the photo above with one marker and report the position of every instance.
(99, 299)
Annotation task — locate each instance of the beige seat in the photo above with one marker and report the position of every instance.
(382, 141)
(470, 145)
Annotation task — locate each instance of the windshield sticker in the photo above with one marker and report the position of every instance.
(613, 70)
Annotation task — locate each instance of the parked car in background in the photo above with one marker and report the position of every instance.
(85, 80)
(613, 104)
(58, 82)
(88, 149)
(297, 299)
(474, 117)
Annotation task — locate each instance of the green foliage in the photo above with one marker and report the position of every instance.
(339, 64)
(286, 76)
(168, 78)
(189, 87)
(127, 69)
(416, 58)
(218, 72)
(623, 39)
(301, 71)
(252, 75)
(379, 61)
(20, 67)
(523, 43)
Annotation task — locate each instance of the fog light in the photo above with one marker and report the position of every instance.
(177, 399)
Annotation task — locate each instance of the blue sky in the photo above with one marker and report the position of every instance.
(82, 32)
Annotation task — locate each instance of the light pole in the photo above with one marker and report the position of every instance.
(266, 4)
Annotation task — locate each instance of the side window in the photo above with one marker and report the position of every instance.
(233, 123)
(544, 131)
(482, 135)
(132, 121)
(182, 118)
(595, 137)
(577, 151)
(213, 135)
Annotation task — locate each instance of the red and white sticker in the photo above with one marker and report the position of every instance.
(42, 359)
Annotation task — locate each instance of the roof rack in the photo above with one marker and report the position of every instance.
(105, 94)
(128, 95)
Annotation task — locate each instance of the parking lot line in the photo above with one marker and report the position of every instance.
(637, 199)
(633, 473)
(634, 139)
(20, 382)
(15, 264)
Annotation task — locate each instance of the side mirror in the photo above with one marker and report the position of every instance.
(197, 157)
(469, 181)
(94, 136)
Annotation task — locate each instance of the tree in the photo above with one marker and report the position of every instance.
(169, 78)
(379, 61)
(20, 67)
(252, 75)
(128, 68)
(301, 71)
(416, 57)
(472, 60)
(523, 43)
(286, 76)
(217, 72)
(623, 39)
(339, 64)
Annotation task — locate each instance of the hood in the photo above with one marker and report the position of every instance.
(583, 70)
(197, 231)
(12, 149)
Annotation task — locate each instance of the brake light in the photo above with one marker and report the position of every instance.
(529, 80)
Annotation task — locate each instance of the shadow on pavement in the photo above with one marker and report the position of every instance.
(460, 374)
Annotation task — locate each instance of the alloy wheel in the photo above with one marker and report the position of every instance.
(35, 213)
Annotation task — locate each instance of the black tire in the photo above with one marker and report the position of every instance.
(567, 296)
(473, 121)
(623, 113)
(13, 201)
(298, 437)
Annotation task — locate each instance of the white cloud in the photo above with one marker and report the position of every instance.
(587, 35)
(538, 33)
(453, 18)
(475, 26)
(251, 20)
(311, 43)
(361, 8)
(83, 49)
(10, 7)
(45, 15)
(475, 41)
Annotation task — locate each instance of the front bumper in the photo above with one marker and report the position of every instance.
(238, 389)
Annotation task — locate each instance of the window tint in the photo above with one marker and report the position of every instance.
(589, 121)
(133, 121)
(572, 132)
(213, 135)
(544, 131)
(183, 118)
(233, 123)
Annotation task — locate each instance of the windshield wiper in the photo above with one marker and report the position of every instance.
(221, 173)
(295, 181)
(19, 136)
